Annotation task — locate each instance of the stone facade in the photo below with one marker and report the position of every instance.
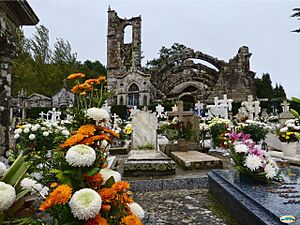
(124, 76)
(180, 75)
(12, 15)
(63, 98)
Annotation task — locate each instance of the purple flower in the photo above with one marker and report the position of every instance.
(256, 151)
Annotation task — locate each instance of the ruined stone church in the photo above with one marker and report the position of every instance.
(182, 75)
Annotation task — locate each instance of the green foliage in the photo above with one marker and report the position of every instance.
(120, 110)
(257, 132)
(216, 131)
(33, 113)
(146, 147)
(279, 93)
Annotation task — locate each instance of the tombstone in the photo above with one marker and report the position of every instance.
(217, 110)
(55, 116)
(134, 111)
(115, 117)
(264, 114)
(42, 114)
(160, 111)
(286, 114)
(144, 125)
(180, 110)
(252, 107)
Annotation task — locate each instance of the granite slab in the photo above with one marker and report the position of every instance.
(196, 160)
(257, 204)
(148, 163)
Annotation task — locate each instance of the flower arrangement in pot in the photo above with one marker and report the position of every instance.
(250, 160)
(218, 126)
(256, 129)
(289, 136)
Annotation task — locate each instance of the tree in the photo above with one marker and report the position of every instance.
(93, 69)
(164, 54)
(279, 92)
(264, 87)
(297, 15)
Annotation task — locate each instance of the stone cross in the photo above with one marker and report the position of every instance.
(226, 101)
(218, 110)
(55, 115)
(134, 111)
(285, 106)
(42, 114)
(160, 110)
(252, 107)
(115, 117)
(175, 108)
(180, 110)
(106, 107)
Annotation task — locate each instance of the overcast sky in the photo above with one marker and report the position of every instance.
(217, 28)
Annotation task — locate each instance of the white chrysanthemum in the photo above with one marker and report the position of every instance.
(43, 128)
(81, 155)
(2, 169)
(253, 162)
(137, 210)
(34, 128)
(270, 171)
(97, 114)
(85, 204)
(104, 144)
(18, 131)
(107, 173)
(26, 130)
(16, 136)
(65, 132)
(7, 196)
(241, 148)
(31, 137)
(283, 130)
(28, 184)
(46, 133)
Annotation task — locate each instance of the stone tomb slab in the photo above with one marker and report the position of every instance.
(196, 160)
(259, 204)
(148, 163)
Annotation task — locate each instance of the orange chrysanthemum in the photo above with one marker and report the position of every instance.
(73, 140)
(87, 141)
(46, 204)
(95, 180)
(59, 195)
(87, 129)
(92, 81)
(126, 199)
(101, 78)
(120, 186)
(108, 194)
(85, 86)
(131, 220)
(75, 75)
(98, 220)
(75, 89)
(101, 137)
(83, 93)
(113, 133)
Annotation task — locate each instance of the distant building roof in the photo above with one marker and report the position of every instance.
(19, 12)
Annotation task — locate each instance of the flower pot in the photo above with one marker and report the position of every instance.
(289, 149)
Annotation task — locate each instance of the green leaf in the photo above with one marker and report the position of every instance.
(55, 171)
(109, 182)
(295, 99)
(16, 172)
(22, 194)
(93, 171)
(294, 112)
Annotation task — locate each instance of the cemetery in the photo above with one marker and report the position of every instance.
(176, 143)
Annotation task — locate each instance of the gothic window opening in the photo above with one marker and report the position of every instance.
(121, 100)
(128, 34)
(145, 102)
(133, 95)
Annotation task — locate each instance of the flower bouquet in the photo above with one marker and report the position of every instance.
(257, 130)
(218, 126)
(251, 161)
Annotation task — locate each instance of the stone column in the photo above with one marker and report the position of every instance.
(7, 52)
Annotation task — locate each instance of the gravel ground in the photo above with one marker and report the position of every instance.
(182, 207)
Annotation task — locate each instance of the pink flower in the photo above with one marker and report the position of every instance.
(256, 151)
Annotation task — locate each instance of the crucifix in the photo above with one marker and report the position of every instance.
(285, 106)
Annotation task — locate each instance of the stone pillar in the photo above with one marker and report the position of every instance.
(7, 51)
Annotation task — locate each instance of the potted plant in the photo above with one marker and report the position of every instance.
(289, 136)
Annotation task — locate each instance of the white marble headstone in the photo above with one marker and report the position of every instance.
(144, 125)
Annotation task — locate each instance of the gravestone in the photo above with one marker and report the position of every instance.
(134, 111)
(160, 111)
(144, 125)
(217, 110)
(106, 107)
(259, 204)
(251, 107)
(286, 114)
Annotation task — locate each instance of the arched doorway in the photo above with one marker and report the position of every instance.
(188, 101)
(133, 95)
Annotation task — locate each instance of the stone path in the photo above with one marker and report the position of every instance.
(182, 207)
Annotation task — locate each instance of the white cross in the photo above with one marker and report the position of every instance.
(227, 102)
(134, 111)
(175, 108)
(198, 108)
(160, 110)
(252, 107)
(106, 107)
(285, 106)
(42, 114)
